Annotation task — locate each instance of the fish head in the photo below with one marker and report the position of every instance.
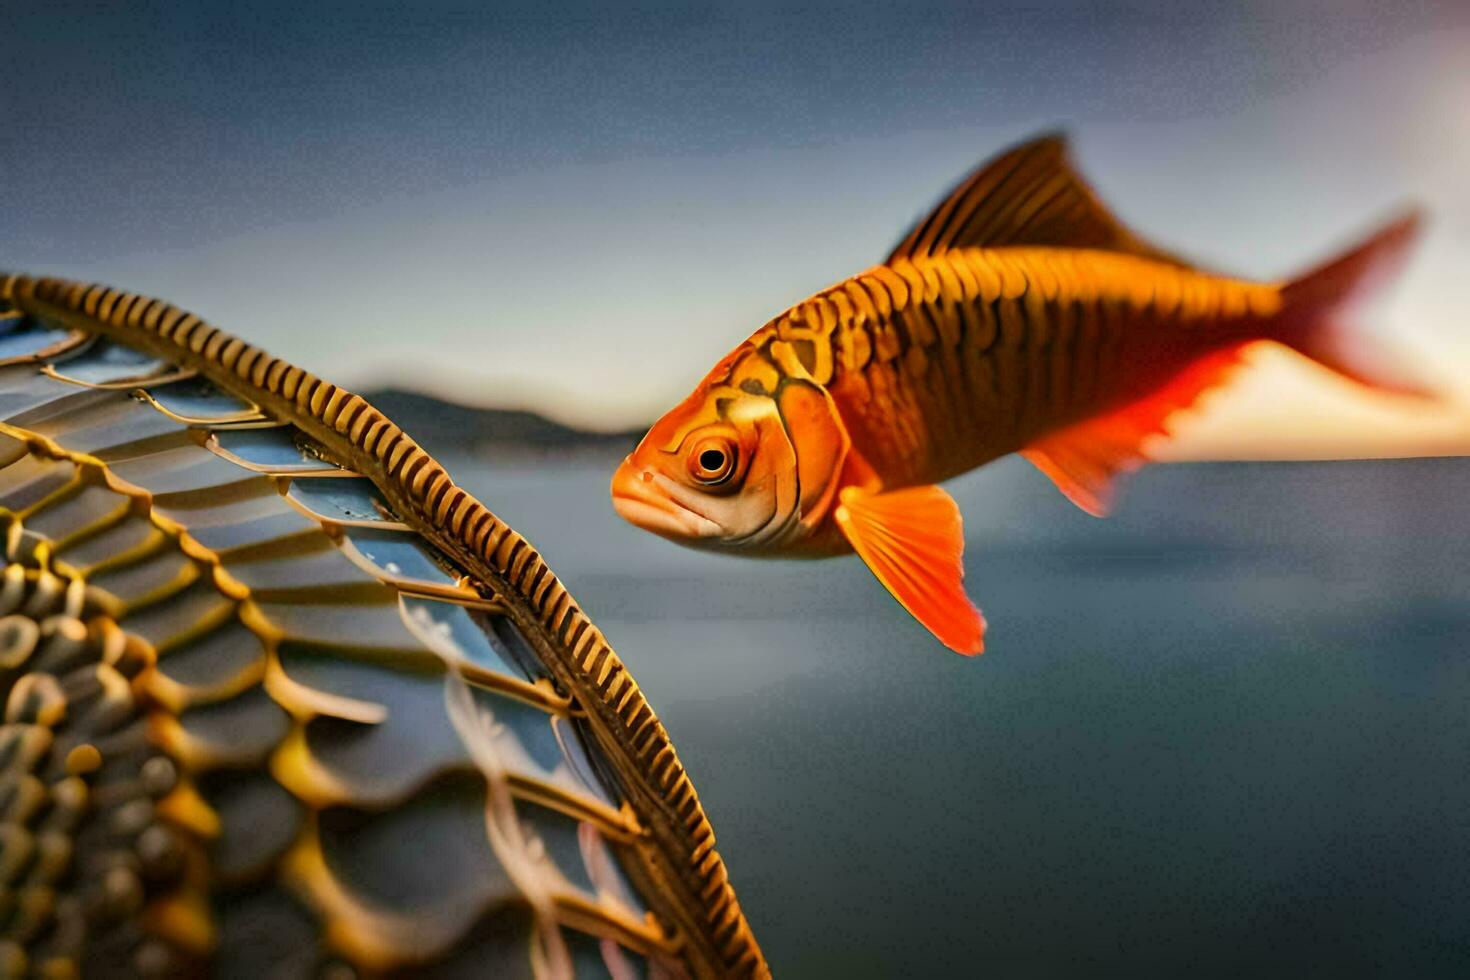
(736, 469)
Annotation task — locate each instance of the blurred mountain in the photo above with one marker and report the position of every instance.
(447, 428)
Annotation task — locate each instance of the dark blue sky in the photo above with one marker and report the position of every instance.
(601, 199)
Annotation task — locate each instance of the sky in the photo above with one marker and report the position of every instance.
(578, 208)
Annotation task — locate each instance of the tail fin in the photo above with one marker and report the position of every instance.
(1317, 307)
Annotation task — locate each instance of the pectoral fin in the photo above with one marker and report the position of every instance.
(912, 540)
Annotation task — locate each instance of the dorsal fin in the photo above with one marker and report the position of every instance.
(1029, 195)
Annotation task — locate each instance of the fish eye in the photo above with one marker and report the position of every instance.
(712, 461)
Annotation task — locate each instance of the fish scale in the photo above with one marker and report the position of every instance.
(1019, 300)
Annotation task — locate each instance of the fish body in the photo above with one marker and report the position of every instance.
(940, 364)
(1019, 316)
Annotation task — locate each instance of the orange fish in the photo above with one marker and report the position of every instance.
(1019, 316)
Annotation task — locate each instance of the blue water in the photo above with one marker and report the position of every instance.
(1222, 734)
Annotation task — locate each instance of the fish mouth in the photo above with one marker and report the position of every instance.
(637, 499)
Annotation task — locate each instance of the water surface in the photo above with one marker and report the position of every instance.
(1224, 733)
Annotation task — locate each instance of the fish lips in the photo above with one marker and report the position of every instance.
(645, 499)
